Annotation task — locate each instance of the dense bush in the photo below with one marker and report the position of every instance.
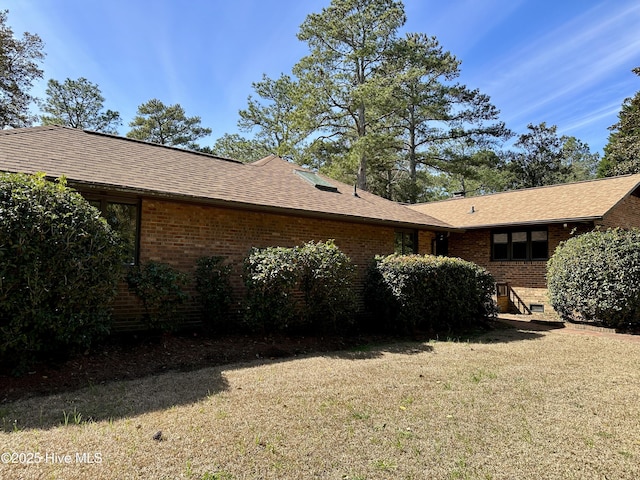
(214, 291)
(409, 292)
(160, 287)
(308, 288)
(326, 277)
(60, 263)
(596, 277)
(270, 275)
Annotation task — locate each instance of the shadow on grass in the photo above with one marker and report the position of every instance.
(506, 330)
(113, 400)
(498, 331)
(117, 399)
(368, 351)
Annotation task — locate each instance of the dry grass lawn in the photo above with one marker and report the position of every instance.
(510, 404)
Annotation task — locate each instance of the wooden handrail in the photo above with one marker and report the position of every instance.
(514, 299)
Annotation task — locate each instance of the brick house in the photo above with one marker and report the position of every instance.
(175, 206)
(512, 234)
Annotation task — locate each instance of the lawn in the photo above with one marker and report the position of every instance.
(510, 403)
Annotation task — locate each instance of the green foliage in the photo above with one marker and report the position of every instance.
(373, 108)
(342, 92)
(270, 275)
(622, 152)
(166, 125)
(160, 287)
(305, 288)
(60, 263)
(408, 292)
(214, 291)
(443, 125)
(546, 159)
(78, 104)
(596, 277)
(278, 131)
(19, 60)
(239, 148)
(326, 281)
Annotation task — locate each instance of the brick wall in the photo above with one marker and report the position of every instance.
(180, 233)
(527, 278)
(625, 215)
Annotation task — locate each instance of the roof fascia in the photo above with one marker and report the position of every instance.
(112, 189)
(533, 223)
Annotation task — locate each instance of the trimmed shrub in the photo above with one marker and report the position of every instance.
(596, 277)
(160, 287)
(60, 264)
(306, 289)
(326, 280)
(214, 292)
(270, 275)
(409, 292)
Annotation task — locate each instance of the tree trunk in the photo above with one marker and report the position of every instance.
(362, 166)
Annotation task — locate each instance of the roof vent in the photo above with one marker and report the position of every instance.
(317, 181)
(473, 209)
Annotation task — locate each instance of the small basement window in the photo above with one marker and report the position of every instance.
(536, 308)
(317, 181)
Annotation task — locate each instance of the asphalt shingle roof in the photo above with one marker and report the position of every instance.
(117, 163)
(581, 201)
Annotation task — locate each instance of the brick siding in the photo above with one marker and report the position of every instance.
(624, 215)
(526, 278)
(180, 233)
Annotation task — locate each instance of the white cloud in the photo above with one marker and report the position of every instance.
(569, 60)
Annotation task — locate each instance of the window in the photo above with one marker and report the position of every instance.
(520, 245)
(406, 242)
(539, 244)
(536, 308)
(440, 245)
(122, 216)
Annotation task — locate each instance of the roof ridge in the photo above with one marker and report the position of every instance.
(266, 160)
(23, 130)
(19, 130)
(170, 147)
(528, 189)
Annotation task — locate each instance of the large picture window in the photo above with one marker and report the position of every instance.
(520, 244)
(122, 216)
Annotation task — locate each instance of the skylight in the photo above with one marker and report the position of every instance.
(317, 181)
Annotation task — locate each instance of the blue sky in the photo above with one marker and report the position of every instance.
(564, 62)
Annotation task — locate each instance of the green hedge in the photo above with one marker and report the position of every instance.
(60, 264)
(326, 278)
(308, 288)
(596, 277)
(408, 292)
(214, 292)
(160, 287)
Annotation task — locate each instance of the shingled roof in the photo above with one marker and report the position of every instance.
(96, 160)
(581, 201)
